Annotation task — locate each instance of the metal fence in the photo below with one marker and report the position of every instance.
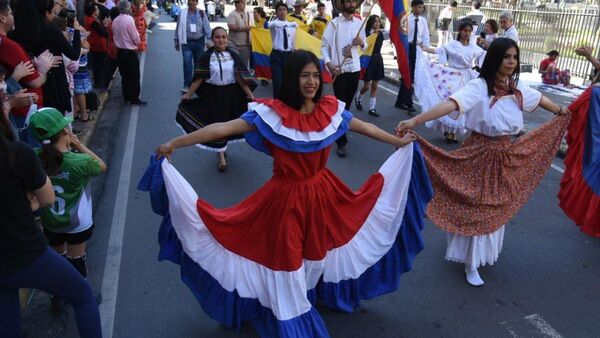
(541, 31)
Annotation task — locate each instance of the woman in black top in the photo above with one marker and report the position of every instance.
(25, 260)
(35, 33)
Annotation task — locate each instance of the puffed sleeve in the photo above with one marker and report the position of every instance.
(467, 97)
(531, 97)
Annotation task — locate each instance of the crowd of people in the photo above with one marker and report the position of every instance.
(314, 237)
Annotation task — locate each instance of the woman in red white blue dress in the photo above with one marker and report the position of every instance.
(311, 236)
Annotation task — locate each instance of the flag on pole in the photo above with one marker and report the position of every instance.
(262, 45)
(365, 58)
(397, 12)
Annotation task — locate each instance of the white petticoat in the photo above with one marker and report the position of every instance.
(475, 251)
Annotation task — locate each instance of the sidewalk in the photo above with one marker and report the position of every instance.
(558, 94)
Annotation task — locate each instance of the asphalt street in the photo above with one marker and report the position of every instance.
(545, 284)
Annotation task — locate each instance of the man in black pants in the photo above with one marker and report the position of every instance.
(418, 33)
(341, 40)
(127, 40)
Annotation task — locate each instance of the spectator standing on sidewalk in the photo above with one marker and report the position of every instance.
(25, 260)
(507, 24)
(193, 28)
(239, 22)
(98, 40)
(69, 223)
(127, 41)
(35, 32)
(12, 54)
(138, 11)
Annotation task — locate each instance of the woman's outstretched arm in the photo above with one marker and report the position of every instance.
(209, 133)
(437, 111)
(374, 132)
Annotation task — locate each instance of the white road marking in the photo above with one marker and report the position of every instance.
(112, 267)
(395, 92)
(530, 326)
(557, 168)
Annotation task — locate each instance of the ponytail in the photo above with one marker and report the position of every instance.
(50, 156)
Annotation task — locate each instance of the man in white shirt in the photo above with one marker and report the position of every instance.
(283, 35)
(445, 23)
(506, 23)
(341, 40)
(418, 34)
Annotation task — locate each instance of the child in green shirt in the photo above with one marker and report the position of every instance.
(68, 224)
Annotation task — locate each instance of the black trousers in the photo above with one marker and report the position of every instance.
(405, 96)
(344, 88)
(129, 67)
(98, 65)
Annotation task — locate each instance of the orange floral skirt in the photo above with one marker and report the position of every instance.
(482, 185)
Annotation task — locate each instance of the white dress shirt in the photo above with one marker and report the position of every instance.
(276, 27)
(225, 74)
(511, 33)
(422, 33)
(339, 33)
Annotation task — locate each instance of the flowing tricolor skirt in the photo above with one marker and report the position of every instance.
(233, 289)
(580, 185)
(214, 104)
(434, 83)
(482, 185)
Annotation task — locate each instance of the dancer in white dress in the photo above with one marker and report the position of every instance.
(435, 82)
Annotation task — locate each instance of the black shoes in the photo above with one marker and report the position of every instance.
(341, 151)
(358, 104)
(373, 112)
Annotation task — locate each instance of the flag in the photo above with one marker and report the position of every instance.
(262, 46)
(365, 58)
(579, 193)
(396, 11)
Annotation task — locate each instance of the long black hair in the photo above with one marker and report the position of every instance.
(30, 22)
(370, 23)
(493, 62)
(51, 158)
(290, 92)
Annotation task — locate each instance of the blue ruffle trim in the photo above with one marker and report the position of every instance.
(263, 131)
(591, 152)
(231, 310)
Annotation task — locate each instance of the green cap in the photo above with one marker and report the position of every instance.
(47, 122)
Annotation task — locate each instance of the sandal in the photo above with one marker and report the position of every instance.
(90, 118)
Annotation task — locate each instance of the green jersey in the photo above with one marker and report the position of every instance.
(72, 210)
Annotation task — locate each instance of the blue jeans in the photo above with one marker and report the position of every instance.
(51, 273)
(191, 51)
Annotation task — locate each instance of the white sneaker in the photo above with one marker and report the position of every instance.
(184, 90)
(473, 277)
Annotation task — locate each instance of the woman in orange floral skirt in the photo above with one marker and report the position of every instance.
(481, 186)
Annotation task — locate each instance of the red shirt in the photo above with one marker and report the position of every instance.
(545, 63)
(98, 43)
(11, 54)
